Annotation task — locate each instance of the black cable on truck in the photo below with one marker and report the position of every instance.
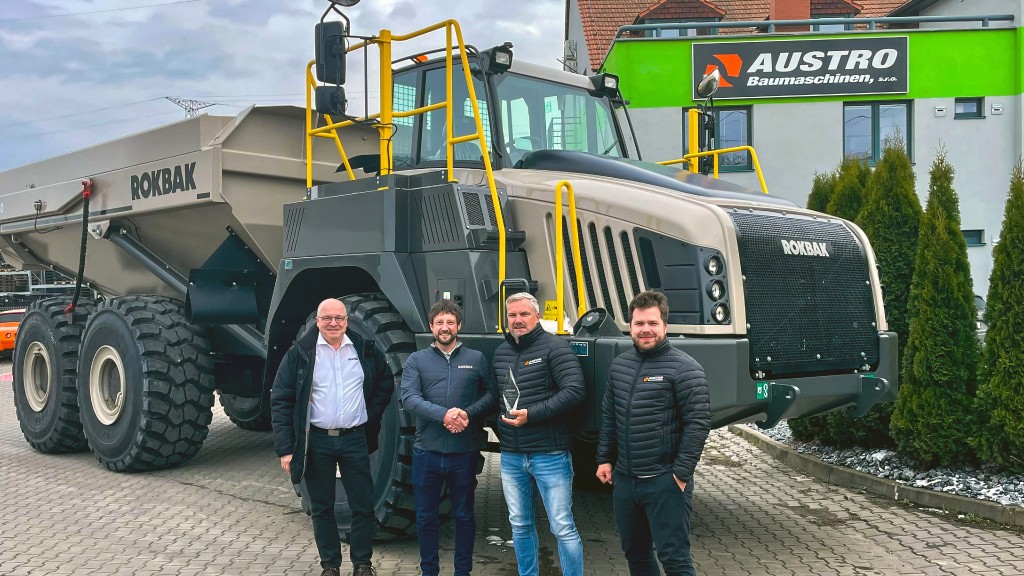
(86, 195)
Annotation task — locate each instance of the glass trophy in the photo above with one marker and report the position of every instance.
(511, 393)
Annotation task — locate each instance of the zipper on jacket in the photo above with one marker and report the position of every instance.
(448, 398)
(629, 416)
(515, 429)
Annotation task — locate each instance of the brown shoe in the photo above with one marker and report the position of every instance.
(331, 572)
(364, 570)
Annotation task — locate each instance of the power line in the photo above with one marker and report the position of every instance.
(52, 118)
(97, 11)
(119, 120)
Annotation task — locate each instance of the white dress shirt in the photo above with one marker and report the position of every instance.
(337, 400)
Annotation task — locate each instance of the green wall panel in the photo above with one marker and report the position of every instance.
(943, 64)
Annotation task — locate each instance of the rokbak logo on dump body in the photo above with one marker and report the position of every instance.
(782, 68)
(181, 178)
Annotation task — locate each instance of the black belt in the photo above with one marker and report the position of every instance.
(333, 431)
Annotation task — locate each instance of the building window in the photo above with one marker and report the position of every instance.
(832, 27)
(866, 126)
(732, 128)
(974, 237)
(969, 108)
(680, 32)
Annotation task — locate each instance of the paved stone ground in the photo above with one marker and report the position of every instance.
(231, 511)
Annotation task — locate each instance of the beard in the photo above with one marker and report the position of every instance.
(652, 341)
(445, 338)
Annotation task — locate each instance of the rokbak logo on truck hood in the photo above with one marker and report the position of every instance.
(805, 248)
(181, 178)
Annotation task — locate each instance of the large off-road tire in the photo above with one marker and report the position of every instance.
(45, 366)
(373, 318)
(145, 384)
(247, 413)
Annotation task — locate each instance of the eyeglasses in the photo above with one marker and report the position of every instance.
(329, 319)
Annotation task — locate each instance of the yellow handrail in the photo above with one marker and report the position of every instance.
(385, 126)
(560, 258)
(694, 155)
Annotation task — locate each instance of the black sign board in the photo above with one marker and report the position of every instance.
(780, 68)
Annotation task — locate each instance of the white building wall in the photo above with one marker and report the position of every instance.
(974, 8)
(574, 34)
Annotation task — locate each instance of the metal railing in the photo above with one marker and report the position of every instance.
(770, 25)
(384, 119)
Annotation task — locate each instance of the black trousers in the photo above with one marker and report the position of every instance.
(326, 454)
(654, 513)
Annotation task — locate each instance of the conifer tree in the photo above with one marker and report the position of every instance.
(850, 188)
(933, 417)
(890, 217)
(1001, 394)
(821, 191)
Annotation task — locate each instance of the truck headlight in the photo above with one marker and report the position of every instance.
(721, 313)
(716, 289)
(713, 265)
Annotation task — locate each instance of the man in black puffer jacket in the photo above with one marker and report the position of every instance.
(654, 421)
(541, 385)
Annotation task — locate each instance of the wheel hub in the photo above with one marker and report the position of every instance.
(106, 385)
(36, 369)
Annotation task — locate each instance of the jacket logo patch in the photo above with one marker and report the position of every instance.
(654, 378)
(466, 366)
(532, 362)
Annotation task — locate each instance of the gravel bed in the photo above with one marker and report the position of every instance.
(985, 482)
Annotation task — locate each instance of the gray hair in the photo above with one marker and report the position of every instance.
(523, 296)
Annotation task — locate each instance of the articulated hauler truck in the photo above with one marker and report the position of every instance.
(212, 240)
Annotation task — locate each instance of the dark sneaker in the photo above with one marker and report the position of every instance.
(364, 570)
(331, 572)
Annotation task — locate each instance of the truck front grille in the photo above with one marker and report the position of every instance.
(809, 304)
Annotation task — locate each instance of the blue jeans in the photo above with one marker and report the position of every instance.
(430, 471)
(551, 474)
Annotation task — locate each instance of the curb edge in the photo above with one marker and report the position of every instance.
(849, 478)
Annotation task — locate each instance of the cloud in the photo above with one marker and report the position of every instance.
(72, 81)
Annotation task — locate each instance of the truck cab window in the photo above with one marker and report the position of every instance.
(537, 114)
(434, 131)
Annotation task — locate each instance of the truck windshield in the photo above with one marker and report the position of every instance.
(536, 114)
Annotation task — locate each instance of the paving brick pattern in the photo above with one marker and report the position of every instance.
(231, 511)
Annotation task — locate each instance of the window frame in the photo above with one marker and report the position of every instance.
(877, 142)
(682, 32)
(746, 167)
(846, 27)
(980, 114)
(974, 240)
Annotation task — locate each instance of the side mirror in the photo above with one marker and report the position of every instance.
(330, 52)
(330, 100)
(709, 84)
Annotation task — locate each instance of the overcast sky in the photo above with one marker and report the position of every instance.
(78, 72)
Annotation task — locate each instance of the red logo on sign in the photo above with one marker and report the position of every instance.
(732, 64)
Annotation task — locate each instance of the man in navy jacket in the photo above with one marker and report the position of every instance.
(655, 419)
(450, 389)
